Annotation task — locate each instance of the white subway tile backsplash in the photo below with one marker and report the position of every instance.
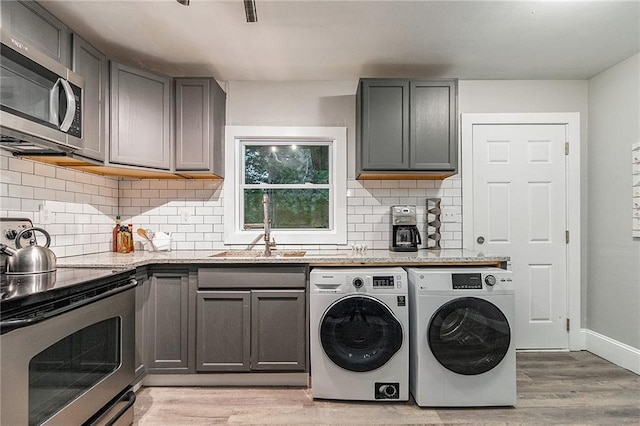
(84, 207)
(43, 170)
(22, 166)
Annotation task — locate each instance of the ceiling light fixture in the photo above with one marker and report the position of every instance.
(250, 10)
(183, 2)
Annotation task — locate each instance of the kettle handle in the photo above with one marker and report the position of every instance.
(44, 232)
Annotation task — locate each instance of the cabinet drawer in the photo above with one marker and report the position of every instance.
(252, 277)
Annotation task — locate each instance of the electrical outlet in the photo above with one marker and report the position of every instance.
(46, 216)
(185, 214)
(449, 214)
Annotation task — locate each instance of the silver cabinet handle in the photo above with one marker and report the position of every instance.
(480, 240)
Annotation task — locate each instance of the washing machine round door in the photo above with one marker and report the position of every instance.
(469, 335)
(360, 333)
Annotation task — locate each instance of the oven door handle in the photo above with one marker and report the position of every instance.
(9, 325)
(122, 405)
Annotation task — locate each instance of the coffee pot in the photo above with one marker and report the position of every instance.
(404, 232)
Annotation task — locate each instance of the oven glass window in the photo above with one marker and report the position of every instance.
(70, 367)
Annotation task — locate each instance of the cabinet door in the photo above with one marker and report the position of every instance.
(200, 115)
(193, 124)
(223, 334)
(433, 125)
(140, 118)
(32, 24)
(384, 125)
(278, 330)
(94, 68)
(168, 305)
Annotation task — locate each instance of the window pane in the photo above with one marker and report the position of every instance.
(289, 208)
(286, 164)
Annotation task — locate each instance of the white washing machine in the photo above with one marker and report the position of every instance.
(359, 334)
(462, 345)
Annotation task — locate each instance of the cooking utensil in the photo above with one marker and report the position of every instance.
(144, 235)
(33, 259)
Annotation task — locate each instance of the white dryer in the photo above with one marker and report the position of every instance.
(359, 334)
(462, 346)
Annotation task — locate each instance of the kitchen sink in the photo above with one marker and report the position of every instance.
(259, 253)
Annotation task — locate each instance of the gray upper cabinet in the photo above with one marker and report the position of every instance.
(406, 129)
(33, 25)
(93, 66)
(167, 326)
(200, 119)
(140, 118)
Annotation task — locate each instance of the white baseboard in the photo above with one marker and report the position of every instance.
(618, 353)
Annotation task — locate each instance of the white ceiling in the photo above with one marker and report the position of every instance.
(345, 40)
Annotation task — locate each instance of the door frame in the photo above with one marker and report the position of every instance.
(572, 121)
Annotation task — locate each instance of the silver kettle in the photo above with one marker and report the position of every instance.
(33, 259)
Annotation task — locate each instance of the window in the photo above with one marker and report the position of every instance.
(302, 172)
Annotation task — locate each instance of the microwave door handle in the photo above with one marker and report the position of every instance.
(419, 238)
(54, 103)
(71, 106)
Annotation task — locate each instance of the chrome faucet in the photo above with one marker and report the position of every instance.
(269, 243)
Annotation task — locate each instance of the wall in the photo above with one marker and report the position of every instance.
(613, 256)
(82, 206)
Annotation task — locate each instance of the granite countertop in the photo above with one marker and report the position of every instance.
(311, 257)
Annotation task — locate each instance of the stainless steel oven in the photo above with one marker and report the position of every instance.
(67, 348)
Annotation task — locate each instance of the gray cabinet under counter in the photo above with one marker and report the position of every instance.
(251, 319)
(167, 325)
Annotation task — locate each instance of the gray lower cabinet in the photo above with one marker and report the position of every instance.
(252, 330)
(140, 123)
(406, 128)
(223, 331)
(167, 326)
(251, 319)
(31, 24)
(93, 66)
(278, 330)
(200, 120)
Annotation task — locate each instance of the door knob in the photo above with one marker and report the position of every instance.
(480, 240)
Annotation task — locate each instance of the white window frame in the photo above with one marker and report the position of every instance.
(335, 137)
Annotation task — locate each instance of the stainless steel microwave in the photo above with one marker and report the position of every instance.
(40, 101)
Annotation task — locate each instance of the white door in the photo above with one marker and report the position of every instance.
(520, 210)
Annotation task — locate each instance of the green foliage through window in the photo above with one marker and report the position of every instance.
(295, 176)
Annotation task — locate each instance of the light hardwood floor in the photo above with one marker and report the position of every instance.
(553, 388)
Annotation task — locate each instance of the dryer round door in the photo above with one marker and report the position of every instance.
(469, 335)
(360, 333)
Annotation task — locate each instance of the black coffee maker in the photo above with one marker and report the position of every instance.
(404, 232)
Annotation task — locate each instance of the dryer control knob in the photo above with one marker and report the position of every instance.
(490, 280)
(358, 282)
